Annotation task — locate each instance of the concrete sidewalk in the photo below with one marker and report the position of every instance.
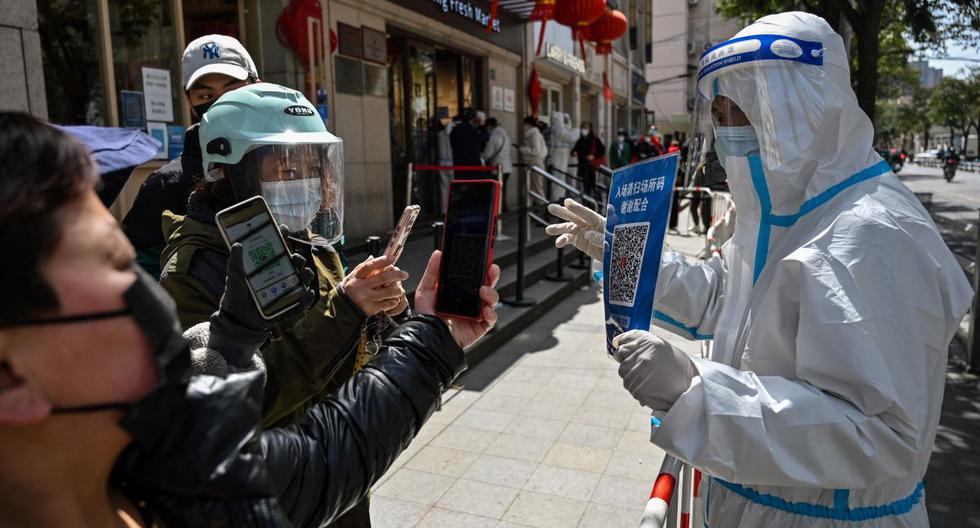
(540, 434)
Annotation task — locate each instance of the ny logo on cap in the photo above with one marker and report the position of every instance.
(211, 51)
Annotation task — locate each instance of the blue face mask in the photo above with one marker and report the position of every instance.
(737, 141)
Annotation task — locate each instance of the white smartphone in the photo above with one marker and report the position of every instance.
(396, 244)
(271, 277)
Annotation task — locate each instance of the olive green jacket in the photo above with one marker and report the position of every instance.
(299, 362)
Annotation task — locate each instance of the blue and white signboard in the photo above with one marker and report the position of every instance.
(636, 224)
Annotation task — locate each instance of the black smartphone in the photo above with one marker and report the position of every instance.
(467, 247)
(273, 281)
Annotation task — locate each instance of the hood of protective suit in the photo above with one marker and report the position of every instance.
(812, 133)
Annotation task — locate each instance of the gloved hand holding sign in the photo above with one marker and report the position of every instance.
(585, 228)
(653, 371)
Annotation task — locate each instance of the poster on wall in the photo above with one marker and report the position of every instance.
(157, 96)
(497, 98)
(132, 109)
(508, 100)
(375, 45)
(158, 131)
(349, 40)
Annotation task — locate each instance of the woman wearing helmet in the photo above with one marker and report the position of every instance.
(268, 140)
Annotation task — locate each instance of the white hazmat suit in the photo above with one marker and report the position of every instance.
(831, 309)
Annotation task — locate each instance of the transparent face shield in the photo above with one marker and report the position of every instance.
(760, 94)
(303, 185)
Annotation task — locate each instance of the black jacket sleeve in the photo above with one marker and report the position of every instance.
(323, 467)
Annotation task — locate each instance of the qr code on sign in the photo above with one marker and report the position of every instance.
(626, 260)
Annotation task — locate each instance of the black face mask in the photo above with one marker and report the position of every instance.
(199, 111)
(155, 314)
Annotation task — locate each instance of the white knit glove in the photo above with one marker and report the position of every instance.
(584, 229)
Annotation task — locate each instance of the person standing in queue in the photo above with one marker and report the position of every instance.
(211, 66)
(287, 156)
(591, 153)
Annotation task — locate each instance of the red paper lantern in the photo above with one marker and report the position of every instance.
(610, 26)
(578, 14)
(544, 10)
(291, 29)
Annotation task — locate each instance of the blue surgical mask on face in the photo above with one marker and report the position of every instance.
(737, 141)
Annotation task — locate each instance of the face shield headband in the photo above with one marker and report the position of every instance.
(755, 48)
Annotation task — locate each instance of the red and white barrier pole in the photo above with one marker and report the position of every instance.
(686, 489)
(663, 489)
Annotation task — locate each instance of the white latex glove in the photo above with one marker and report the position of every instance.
(653, 371)
(585, 228)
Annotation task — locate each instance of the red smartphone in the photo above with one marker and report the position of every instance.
(467, 247)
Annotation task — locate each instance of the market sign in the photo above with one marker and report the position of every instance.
(467, 10)
(566, 58)
(471, 17)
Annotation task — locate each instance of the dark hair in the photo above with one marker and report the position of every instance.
(492, 122)
(531, 120)
(41, 170)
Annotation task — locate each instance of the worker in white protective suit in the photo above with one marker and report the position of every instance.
(560, 142)
(832, 307)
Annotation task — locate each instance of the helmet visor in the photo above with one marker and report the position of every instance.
(303, 185)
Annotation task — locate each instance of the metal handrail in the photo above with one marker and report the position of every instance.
(555, 181)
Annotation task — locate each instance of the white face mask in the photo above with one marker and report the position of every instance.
(294, 202)
(585, 132)
(620, 139)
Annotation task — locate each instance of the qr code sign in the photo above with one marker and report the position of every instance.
(628, 247)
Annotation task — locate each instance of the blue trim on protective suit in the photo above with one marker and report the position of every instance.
(873, 171)
(765, 205)
(767, 219)
(865, 513)
(841, 499)
(691, 330)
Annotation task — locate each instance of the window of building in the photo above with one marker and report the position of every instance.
(69, 31)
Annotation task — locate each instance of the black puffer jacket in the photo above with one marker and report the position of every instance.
(223, 472)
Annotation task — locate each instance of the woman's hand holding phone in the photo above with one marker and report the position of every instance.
(375, 286)
(465, 331)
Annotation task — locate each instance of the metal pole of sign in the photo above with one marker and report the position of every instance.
(500, 207)
(974, 333)
(559, 274)
(522, 228)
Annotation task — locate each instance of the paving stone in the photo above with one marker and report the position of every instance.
(442, 461)
(590, 435)
(484, 420)
(635, 465)
(478, 498)
(564, 482)
(519, 447)
(439, 518)
(520, 389)
(622, 492)
(536, 427)
(418, 487)
(387, 512)
(500, 471)
(636, 442)
(464, 438)
(579, 457)
(549, 408)
(603, 417)
(541, 510)
(501, 403)
(604, 516)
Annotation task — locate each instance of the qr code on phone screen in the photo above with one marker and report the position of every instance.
(626, 260)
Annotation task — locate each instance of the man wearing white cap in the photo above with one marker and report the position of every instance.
(211, 66)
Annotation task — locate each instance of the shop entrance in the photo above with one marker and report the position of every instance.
(429, 84)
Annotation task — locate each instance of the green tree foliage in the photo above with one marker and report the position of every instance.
(949, 103)
(928, 22)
